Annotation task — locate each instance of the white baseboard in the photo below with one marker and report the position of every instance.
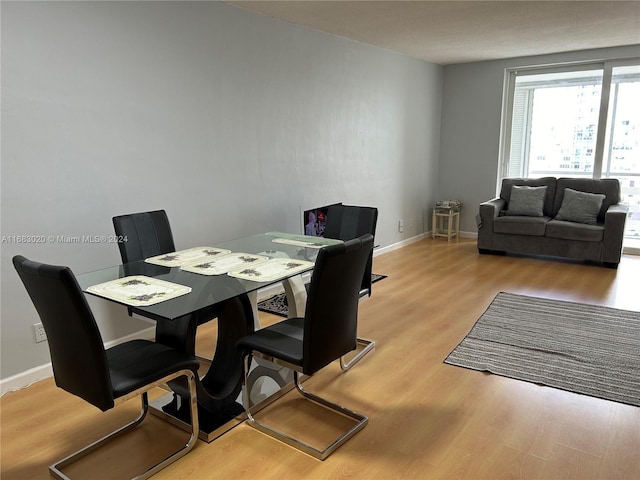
(417, 238)
(24, 379)
(403, 243)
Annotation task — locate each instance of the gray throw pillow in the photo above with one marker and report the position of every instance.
(580, 207)
(526, 201)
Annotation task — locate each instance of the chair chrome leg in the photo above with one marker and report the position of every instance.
(361, 420)
(55, 469)
(195, 431)
(281, 376)
(368, 345)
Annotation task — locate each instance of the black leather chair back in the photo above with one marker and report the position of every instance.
(147, 234)
(77, 352)
(345, 222)
(331, 319)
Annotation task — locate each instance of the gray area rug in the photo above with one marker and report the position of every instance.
(586, 349)
(277, 304)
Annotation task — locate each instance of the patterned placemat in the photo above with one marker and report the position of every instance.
(300, 243)
(272, 270)
(139, 290)
(225, 263)
(187, 257)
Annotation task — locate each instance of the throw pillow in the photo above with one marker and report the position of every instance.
(526, 201)
(580, 207)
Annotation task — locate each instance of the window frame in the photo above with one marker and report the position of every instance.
(509, 85)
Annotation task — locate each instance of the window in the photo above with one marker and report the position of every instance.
(576, 120)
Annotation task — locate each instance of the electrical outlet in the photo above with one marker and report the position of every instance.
(38, 332)
(400, 226)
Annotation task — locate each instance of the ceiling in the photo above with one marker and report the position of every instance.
(448, 32)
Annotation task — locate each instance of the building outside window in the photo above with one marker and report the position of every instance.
(579, 120)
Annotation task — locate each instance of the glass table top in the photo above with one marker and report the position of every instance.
(271, 249)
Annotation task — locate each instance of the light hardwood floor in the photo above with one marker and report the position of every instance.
(428, 420)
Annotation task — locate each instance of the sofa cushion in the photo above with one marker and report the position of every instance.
(527, 201)
(606, 186)
(549, 182)
(581, 207)
(574, 231)
(520, 225)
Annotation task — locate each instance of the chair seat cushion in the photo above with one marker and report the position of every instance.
(138, 363)
(282, 340)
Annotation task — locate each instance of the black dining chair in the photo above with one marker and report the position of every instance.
(345, 222)
(103, 378)
(148, 234)
(143, 235)
(327, 331)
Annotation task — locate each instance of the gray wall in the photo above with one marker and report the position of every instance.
(471, 114)
(230, 121)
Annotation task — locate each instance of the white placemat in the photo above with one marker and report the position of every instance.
(300, 243)
(225, 263)
(273, 269)
(139, 290)
(187, 257)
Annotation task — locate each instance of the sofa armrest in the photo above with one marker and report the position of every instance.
(488, 212)
(614, 221)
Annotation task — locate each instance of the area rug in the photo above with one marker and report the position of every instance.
(277, 304)
(587, 349)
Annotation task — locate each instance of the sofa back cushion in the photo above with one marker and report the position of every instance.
(549, 182)
(609, 187)
(526, 201)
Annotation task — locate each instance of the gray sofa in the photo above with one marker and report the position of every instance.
(529, 219)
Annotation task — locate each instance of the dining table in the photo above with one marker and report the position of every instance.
(219, 281)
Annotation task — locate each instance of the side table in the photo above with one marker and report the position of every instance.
(448, 217)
